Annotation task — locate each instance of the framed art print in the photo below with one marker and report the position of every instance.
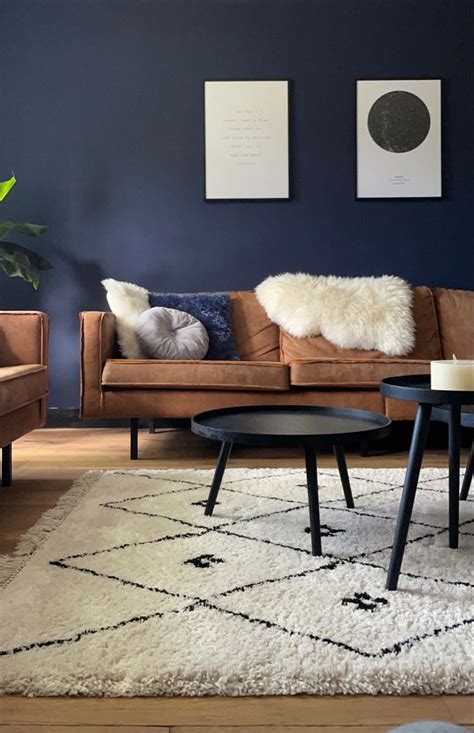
(399, 138)
(246, 140)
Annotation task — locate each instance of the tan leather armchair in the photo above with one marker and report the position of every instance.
(23, 379)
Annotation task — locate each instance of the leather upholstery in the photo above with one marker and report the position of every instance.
(98, 343)
(23, 373)
(23, 338)
(352, 373)
(400, 409)
(181, 403)
(316, 372)
(20, 385)
(189, 374)
(455, 309)
(256, 337)
(22, 421)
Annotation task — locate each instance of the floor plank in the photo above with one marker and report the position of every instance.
(31, 728)
(281, 729)
(461, 708)
(193, 729)
(45, 464)
(224, 711)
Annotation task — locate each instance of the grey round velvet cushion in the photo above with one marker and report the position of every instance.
(166, 333)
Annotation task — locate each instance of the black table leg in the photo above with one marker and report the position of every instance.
(134, 423)
(217, 480)
(7, 465)
(466, 484)
(344, 475)
(415, 457)
(454, 424)
(313, 500)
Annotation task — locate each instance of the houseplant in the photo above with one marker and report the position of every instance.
(16, 260)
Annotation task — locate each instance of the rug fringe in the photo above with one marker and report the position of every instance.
(10, 565)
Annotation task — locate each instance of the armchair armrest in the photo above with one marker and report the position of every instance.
(23, 338)
(97, 345)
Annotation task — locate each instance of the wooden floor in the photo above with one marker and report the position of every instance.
(45, 464)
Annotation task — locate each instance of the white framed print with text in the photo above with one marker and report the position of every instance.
(246, 140)
(399, 138)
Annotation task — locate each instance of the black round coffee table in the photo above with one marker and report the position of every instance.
(310, 427)
(417, 388)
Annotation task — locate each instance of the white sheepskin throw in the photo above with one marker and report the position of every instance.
(350, 312)
(127, 301)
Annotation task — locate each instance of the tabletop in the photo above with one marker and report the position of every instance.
(417, 388)
(271, 424)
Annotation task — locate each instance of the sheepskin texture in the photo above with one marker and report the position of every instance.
(353, 313)
(126, 588)
(127, 301)
(166, 333)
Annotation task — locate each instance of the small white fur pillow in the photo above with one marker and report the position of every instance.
(166, 333)
(350, 312)
(127, 301)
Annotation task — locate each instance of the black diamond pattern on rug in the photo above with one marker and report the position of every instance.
(256, 549)
(203, 561)
(365, 602)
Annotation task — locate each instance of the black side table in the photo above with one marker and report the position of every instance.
(417, 388)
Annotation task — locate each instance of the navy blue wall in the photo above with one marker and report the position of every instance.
(101, 119)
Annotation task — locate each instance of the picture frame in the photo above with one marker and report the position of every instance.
(398, 131)
(246, 140)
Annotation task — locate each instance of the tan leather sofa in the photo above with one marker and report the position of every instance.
(274, 367)
(23, 379)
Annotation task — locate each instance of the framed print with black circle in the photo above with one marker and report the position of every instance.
(246, 140)
(399, 138)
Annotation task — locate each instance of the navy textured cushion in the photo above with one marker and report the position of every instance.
(214, 312)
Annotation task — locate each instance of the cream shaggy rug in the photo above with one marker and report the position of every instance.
(125, 588)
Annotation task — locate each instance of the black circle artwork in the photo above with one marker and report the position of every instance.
(398, 121)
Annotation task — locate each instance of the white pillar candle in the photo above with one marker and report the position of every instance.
(453, 374)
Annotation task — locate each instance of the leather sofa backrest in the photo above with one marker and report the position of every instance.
(23, 338)
(427, 345)
(444, 326)
(455, 310)
(256, 337)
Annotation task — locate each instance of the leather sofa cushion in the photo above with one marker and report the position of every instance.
(21, 385)
(352, 373)
(256, 337)
(455, 309)
(163, 374)
(184, 403)
(427, 344)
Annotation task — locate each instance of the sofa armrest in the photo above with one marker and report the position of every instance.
(23, 338)
(97, 345)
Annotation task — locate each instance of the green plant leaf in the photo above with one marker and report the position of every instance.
(24, 256)
(17, 264)
(6, 186)
(32, 230)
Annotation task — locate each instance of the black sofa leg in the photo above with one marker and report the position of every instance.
(134, 438)
(7, 465)
(151, 427)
